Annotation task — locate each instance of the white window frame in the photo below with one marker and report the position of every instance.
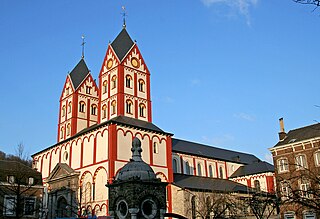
(283, 165)
(30, 181)
(289, 215)
(301, 162)
(34, 206)
(6, 203)
(304, 188)
(317, 158)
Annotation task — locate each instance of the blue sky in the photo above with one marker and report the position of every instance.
(222, 71)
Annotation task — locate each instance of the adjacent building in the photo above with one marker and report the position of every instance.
(21, 191)
(97, 123)
(297, 167)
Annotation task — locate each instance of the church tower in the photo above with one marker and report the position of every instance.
(124, 81)
(78, 102)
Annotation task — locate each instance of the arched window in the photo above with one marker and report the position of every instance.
(82, 107)
(94, 109)
(187, 171)
(63, 110)
(113, 107)
(210, 171)
(175, 165)
(129, 106)
(128, 81)
(155, 148)
(105, 87)
(67, 91)
(221, 172)
(142, 109)
(104, 111)
(62, 133)
(141, 85)
(113, 82)
(199, 169)
(69, 107)
(68, 129)
(257, 185)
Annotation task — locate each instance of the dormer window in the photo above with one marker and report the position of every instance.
(88, 90)
(10, 179)
(30, 181)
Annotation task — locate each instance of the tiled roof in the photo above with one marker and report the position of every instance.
(212, 152)
(79, 73)
(300, 134)
(19, 171)
(254, 168)
(208, 184)
(122, 44)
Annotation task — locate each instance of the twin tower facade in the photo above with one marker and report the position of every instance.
(97, 123)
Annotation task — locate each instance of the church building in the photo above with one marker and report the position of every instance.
(96, 125)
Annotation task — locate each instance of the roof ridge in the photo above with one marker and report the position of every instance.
(308, 126)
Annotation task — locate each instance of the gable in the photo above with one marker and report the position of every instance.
(61, 170)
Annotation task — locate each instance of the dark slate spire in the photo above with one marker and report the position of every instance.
(122, 44)
(79, 73)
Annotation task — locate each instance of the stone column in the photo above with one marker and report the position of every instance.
(133, 212)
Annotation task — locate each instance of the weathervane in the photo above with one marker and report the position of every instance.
(124, 14)
(82, 44)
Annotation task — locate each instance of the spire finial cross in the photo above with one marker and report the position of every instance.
(124, 15)
(82, 44)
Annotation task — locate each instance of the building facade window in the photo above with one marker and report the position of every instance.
(175, 165)
(129, 106)
(29, 206)
(104, 111)
(30, 181)
(113, 107)
(141, 85)
(9, 205)
(62, 133)
(289, 215)
(155, 148)
(317, 158)
(94, 109)
(82, 107)
(69, 107)
(187, 169)
(283, 165)
(10, 179)
(220, 172)
(210, 171)
(199, 169)
(113, 82)
(142, 109)
(63, 110)
(105, 87)
(257, 185)
(304, 188)
(128, 81)
(301, 162)
(68, 129)
(285, 190)
(88, 90)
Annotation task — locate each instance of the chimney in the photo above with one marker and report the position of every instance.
(282, 133)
